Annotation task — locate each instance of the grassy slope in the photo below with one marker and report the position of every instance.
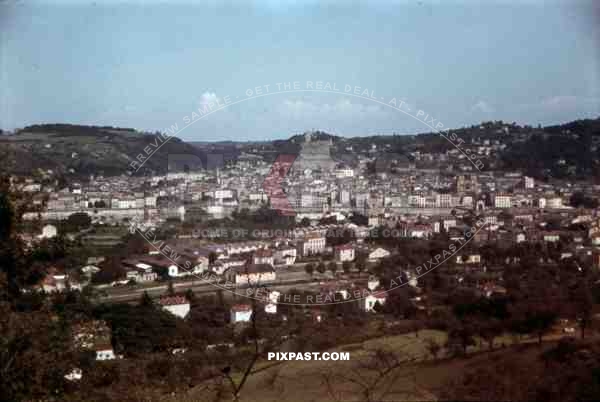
(422, 379)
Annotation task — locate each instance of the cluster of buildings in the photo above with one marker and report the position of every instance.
(415, 196)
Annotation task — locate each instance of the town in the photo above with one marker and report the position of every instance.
(321, 201)
(383, 235)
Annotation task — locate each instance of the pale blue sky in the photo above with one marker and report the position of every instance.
(146, 66)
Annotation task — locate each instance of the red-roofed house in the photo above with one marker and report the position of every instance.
(176, 305)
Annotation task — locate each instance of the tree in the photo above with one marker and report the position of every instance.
(433, 348)
(14, 264)
(360, 266)
(170, 289)
(305, 222)
(36, 352)
(146, 300)
(579, 199)
(537, 321)
(77, 221)
(399, 305)
(488, 329)
(583, 304)
(310, 269)
(191, 297)
(321, 268)
(135, 244)
(332, 266)
(460, 335)
(373, 379)
(347, 267)
(110, 271)
(141, 329)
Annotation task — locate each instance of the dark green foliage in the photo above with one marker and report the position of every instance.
(140, 329)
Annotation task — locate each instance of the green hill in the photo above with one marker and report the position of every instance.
(83, 150)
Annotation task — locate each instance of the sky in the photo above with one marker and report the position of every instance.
(147, 65)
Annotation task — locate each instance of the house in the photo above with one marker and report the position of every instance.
(273, 296)
(139, 271)
(285, 255)
(550, 237)
(240, 313)
(250, 274)
(502, 201)
(468, 259)
(313, 243)
(184, 265)
(420, 231)
(54, 281)
(223, 264)
(48, 232)
(196, 261)
(94, 335)
(344, 253)
(263, 256)
(75, 375)
(271, 308)
(417, 230)
(378, 254)
(90, 270)
(179, 306)
(373, 283)
(368, 303)
(104, 351)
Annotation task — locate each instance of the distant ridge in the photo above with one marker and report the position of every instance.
(569, 150)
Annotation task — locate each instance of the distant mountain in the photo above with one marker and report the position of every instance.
(570, 150)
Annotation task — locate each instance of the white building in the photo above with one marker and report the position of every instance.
(240, 313)
(285, 255)
(271, 308)
(179, 306)
(344, 197)
(502, 201)
(443, 200)
(251, 274)
(263, 256)
(555, 202)
(468, 259)
(312, 244)
(105, 352)
(378, 254)
(343, 173)
(373, 283)
(542, 203)
(529, 182)
(369, 302)
(344, 253)
(48, 232)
